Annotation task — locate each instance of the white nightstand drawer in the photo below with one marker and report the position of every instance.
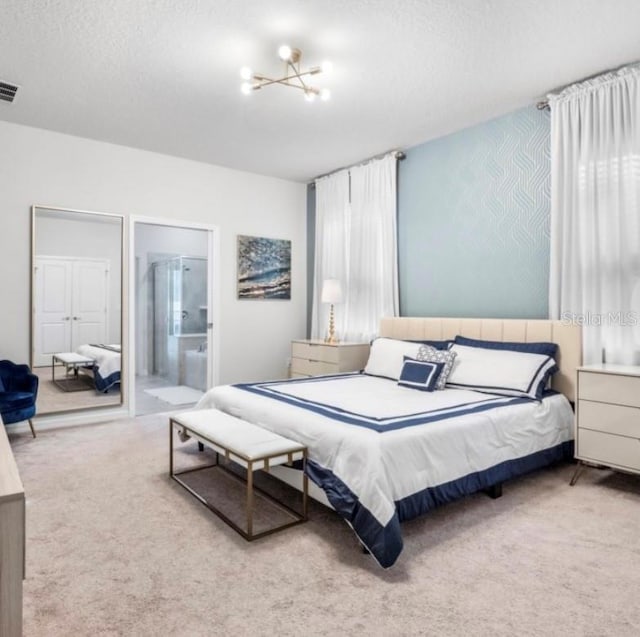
(614, 419)
(609, 449)
(315, 357)
(315, 352)
(307, 367)
(609, 388)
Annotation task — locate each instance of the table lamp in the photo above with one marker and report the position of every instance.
(331, 293)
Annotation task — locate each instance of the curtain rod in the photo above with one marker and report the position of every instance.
(544, 104)
(398, 154)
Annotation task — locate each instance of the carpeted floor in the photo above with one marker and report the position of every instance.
(177, 395)
(116, 548)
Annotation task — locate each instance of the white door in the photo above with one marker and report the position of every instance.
(52, 309)
(71, 305)
(89, 303)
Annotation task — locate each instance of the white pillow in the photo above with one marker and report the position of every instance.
(387, 357)
(501, 372)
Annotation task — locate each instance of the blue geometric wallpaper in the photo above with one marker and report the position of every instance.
(473, 221)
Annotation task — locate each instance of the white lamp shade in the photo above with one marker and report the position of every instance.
(331, 291)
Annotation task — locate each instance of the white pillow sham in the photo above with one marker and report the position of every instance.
(503, 372)
(387, 357)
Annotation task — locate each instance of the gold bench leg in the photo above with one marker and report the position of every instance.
(305, 487)
(250, 500)
(171, 425)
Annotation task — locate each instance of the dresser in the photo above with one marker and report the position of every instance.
(608, 417)
(12, 531)
(315, 357)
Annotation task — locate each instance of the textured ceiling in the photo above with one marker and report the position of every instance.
(163, 74)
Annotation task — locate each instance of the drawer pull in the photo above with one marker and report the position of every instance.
(313, 360)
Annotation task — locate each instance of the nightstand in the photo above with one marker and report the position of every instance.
(608, 417)
(315, 357)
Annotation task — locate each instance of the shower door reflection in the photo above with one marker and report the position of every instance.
(180, 321)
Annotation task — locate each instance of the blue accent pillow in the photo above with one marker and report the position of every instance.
(422, 375)
(1, 385)
(548, 349)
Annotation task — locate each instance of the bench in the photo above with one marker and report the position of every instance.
(72, 362)
(246, 445)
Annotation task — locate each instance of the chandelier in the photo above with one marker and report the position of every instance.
(293, 76)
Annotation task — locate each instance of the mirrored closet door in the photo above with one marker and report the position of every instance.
(76, 308)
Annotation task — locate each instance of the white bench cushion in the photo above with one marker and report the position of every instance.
(71, 358)
(238, 436)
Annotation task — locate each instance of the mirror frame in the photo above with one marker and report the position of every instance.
(123, 356)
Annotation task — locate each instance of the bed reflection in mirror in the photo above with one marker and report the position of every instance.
(76, 317)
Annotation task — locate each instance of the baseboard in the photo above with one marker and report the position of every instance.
(69, 419)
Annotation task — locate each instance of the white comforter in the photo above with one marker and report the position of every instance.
(108, 361)
(386, 442)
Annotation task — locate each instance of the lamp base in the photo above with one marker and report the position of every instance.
(331, 339)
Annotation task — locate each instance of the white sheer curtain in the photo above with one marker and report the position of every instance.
(595, 213)
(332, 232)
(356, 243)
(372, 284)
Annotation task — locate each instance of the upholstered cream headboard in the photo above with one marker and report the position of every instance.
(568, 338)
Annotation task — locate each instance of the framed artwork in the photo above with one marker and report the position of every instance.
(264, 268)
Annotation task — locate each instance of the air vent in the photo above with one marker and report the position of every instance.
(8, 91)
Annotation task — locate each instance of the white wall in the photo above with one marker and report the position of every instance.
(69, 172)
(171, 241)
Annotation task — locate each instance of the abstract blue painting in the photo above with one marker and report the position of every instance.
(264, 268)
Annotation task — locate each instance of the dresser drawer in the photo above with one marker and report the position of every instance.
(609, 388)
(315, 352)
(613, 419)
(306, 367)
(609, 449)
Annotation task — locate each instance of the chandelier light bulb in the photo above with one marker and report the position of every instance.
(327, 66)
(246, 73)
(246, 88)
(325, 94)
(284, 52)
(310, 96)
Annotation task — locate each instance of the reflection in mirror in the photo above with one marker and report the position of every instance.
(76, 313)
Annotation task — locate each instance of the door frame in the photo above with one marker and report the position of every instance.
(213, 298)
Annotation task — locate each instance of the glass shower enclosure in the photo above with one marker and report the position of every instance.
(180, 320)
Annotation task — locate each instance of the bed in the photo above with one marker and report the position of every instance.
(106, 370)
(381, 453)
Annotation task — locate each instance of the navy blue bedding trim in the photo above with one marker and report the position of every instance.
(105, 384)
(542, 383)
(432, 497)
(384, 424)
(543, 347)
(385, 543)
